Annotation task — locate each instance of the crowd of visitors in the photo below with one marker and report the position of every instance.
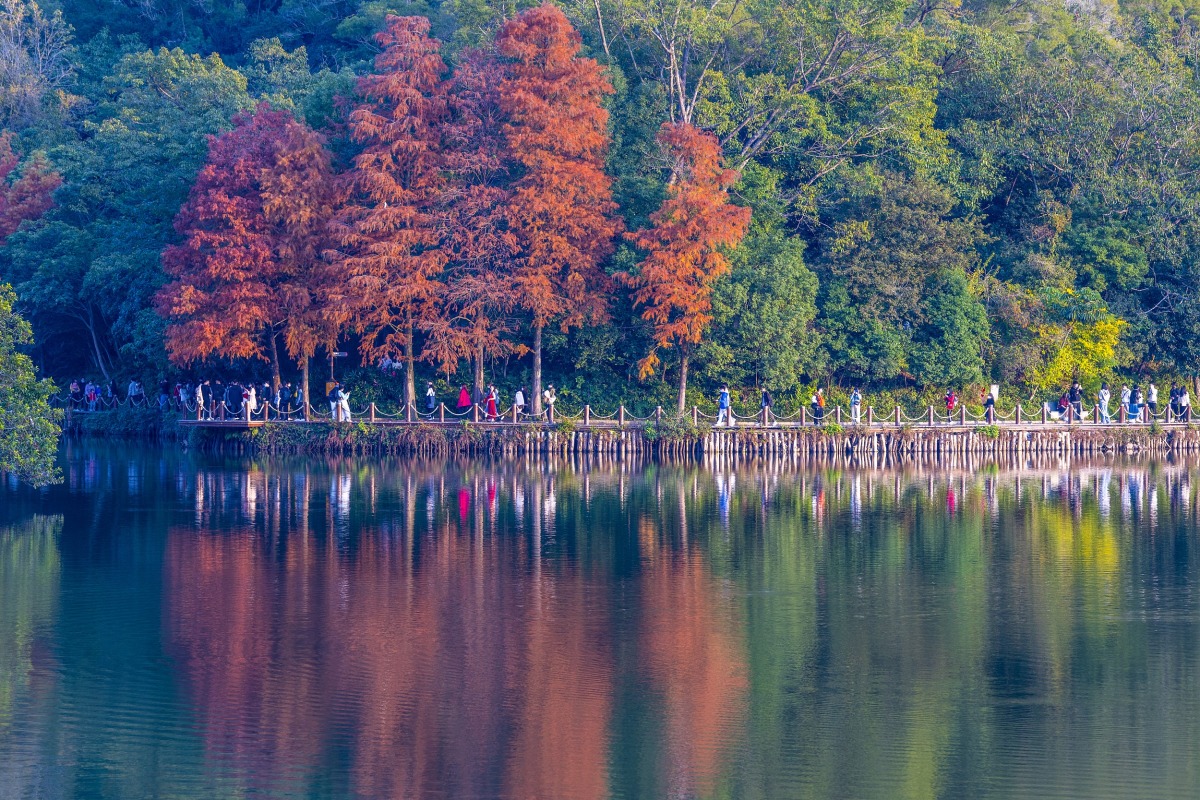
(214, 399)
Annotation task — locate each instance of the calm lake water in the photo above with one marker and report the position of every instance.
(186, 626)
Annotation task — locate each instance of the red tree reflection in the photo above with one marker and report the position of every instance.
(694, 657)
(456, 678)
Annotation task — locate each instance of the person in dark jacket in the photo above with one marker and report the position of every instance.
(233, 400)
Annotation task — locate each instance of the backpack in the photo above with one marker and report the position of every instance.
(333, 395)
(821, 400)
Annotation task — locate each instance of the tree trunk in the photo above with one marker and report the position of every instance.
(683, 375)
(90, 323)
(477, 389)
(410, 370)
(304, 385)
(275, 374)
(537, 370)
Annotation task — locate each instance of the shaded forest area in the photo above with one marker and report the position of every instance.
(940, 194)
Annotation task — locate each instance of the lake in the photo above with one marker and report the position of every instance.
(184, 625)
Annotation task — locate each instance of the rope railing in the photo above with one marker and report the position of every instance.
(266, 409)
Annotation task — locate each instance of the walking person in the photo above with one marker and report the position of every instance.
(1135, 404)
(285, 400)
(548, 400)
(989, 408)
(1185, 404)
(199, 400)
(344, 403)
(723, 417)
(855, 406)
(519, 403)
(464, 400)
(1102, 400)
(493, 413)
(1152, 399)
(430, 398)
(818, 406)
(250, 397)
(766, 406)
(335, 403)
(1126, 400)
(1076, 398)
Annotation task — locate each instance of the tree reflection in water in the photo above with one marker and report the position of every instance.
(560, 629)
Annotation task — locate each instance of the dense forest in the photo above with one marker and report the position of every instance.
(902, 194)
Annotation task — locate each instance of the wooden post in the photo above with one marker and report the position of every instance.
(1044, 415)
(475, 412)
(897, 415)
(441, 412)
(1096, 413)
(931, 416)
(1018, 412)
(222, 411)
(409, 410)
(763, 416)
(621, 416)
(371, 411)
(870, 416)
(838, 414)
(962, 415)
(587, 415)
(1122, 411)
(657, 415)
(696, 415)
(515, 414)
(803, 416)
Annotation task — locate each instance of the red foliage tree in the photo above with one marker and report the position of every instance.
(684, 247)
(392, 229)
(250, 265)
(560, 212)
(27, 197)
(480, 294)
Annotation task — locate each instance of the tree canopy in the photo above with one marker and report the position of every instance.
(953, 194)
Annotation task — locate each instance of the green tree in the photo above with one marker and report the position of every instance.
(90, 270)
(29, 427)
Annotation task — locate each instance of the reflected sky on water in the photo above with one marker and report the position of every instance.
(196, 626)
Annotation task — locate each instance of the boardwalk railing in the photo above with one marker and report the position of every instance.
(863, 417)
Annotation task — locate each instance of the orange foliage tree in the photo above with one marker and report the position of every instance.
(254, 229)
(480, 295)
(560, 212)
(392, 227)
(684, 246)
(28, 196)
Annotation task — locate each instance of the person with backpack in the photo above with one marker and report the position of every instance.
(519, 403)
(723, 403)
(492, 404)
(335, 403)
(430, 398)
